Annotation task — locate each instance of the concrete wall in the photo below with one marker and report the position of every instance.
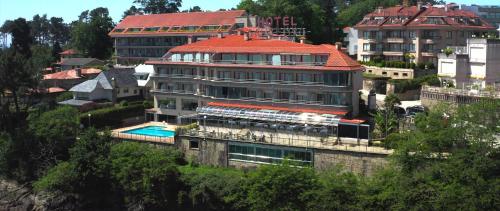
(356, 162)
(215, 153)
(394, 73)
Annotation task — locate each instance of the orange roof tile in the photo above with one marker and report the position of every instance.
(180, 19)
(417, 18)
(298, 110)
(70, 74)
(237, 44)
(55, 90)
(69, 52)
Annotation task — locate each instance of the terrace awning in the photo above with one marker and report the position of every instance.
(268, 115)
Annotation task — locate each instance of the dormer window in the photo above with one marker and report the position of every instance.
(164, 29)
(119, 30)
(131, 30)
(151, 29)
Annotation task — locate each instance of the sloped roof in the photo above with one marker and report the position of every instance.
(400, 16)
(237, 44)
(78, 61)
(71, 74)
(69, 52)
(123, 78)
(86, 86)
(218, 18)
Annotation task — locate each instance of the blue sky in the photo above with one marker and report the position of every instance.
(70, 9)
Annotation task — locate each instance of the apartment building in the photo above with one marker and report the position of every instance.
(249, 69)
(416, 33)
(475, 65)
(138, 38)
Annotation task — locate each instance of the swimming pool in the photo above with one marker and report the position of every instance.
(156, 131)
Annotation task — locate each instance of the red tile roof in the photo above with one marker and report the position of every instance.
(69, 52)
(55, 90)
(413, 17)
(237, 44)
(70, 74)
(179, 19)
(298, 110)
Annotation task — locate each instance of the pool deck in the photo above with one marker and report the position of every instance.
(119, 133)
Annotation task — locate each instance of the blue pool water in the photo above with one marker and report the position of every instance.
(157, 131)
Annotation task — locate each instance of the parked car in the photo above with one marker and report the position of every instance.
(414, 110)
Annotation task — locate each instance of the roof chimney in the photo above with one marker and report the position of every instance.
(420, 5)
(406, 3)
(246, 36)
(302, 40)
(220, 35)
(338, 45)
(379, 9)
(78, 72)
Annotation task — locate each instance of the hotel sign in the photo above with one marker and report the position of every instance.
(281, 25)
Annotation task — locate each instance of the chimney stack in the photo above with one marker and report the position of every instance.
(246, 36)
(220, 35)
(379, 9)
(406, 3)
(338, 45)
(78, 72)
(420, 5)
(302, 40)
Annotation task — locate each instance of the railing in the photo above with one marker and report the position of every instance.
(240, 62)
(237, 80)
(174, 91)
(459, 49)
(292, 139)
(462, 92)
(156, 139)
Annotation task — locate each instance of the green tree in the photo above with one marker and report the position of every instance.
(55, 131)
(90, 34)
(159, 6)
(195, 9)
(147, 177)
(306, 14)
(209, 188)
(280, 187)
(40, 29)
(59, 31)
(131, 11)
(21, 36)
(338, 191)
(17, 74)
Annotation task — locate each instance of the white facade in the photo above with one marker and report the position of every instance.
(351, 40)
(476, 65)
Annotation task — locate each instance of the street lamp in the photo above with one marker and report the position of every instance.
(205, 125)
(89, 115)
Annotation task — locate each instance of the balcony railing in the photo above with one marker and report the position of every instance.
(174, 91)
(459, 49)
(240, 62)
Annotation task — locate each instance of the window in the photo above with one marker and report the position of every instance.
(366, 58)
(396, 74)
(366, 47)
(189, 105)
(194, 144)
(405, 74)
(125, 90)
(412, 34)
(135, 91)
(411, 47)
(449, 34)
(269, 154)
(384, 73)
(168, 103)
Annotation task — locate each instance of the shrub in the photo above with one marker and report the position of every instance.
(123, 103)
(111, 116)
(64, 96)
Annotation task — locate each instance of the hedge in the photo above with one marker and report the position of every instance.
(403, 85)
(111, 116)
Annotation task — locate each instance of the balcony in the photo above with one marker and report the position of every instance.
(174, 91)
(393, 52)
(430, 39)
(394, 40)
(429, 52)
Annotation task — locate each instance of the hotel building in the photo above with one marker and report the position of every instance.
(421, 31)
(138, 38)
(253, 70)
(258, 99)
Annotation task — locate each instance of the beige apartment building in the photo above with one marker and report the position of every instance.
(416, 33)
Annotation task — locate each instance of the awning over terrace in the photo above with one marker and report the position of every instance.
(268, 115)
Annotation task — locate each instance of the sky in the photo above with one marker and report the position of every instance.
(70, 9)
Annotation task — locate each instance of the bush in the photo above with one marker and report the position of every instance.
(64, 96)
(185, 128)
(123, 103)
(403, 85)
(111, 116)
(59, 178)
